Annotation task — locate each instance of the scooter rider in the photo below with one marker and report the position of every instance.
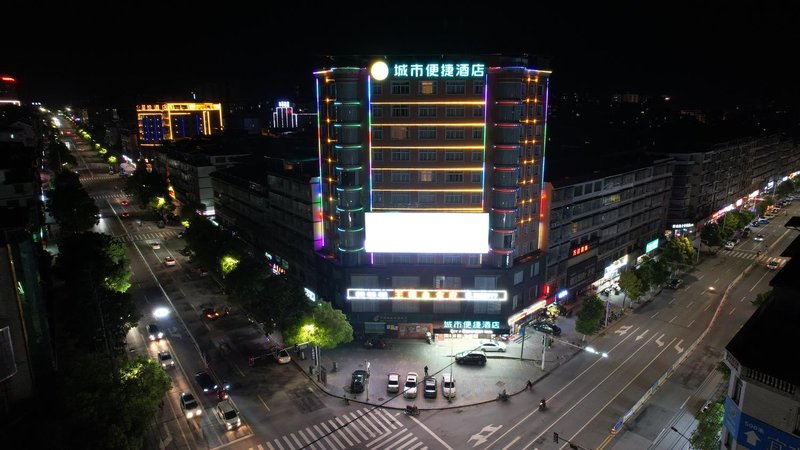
(543, 404)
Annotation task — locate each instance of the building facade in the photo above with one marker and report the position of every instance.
(173, 121)
(431, 191)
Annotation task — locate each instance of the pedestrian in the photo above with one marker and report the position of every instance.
(529, 385)
(426, 371)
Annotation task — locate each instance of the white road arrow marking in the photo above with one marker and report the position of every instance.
(485, 432)
(623, 330)
(641, 336)
(678, 346)
(658, 341)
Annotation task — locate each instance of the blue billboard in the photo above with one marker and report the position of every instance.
(754, 434)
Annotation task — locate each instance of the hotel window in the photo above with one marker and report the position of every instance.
(401, 88)
(401, 259)
(456, 87)
(377, 155)
(518, 277)
(475, 199)
(477, 133)
(427, 176)
(377, 133)
(454, 111)
(377, 89)
(477, 86)
(477, 111)
(446, 282)
(483, 283)
(539, 90)
(400, 199)
(377, 176)
(476, 156)
(427, 111)
(427, 132)
(400, 155)
(452, 259)
(454, 177)
(426, 259)
(400, 133)
(426, 197)
(427, 87)
(377, 198)
(377, 111)
(400, 177)
(538, 132)
(736, 394)
(453, 199)
(427, 155)
(474, 260)
(539, 109)
(400, 111)
(454, 156)
(454, 133)
(537, 150)
(475, 177)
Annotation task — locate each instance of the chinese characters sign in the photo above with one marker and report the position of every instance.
(434, 70)
(427, 294)
(471, 324)
(580, 250)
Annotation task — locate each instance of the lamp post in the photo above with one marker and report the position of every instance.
(682, 435)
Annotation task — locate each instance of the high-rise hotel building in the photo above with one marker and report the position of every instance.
(431, 191)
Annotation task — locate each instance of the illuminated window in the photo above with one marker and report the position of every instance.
(452, 198)
(427, 155)
(446, 282)
(400, 133)
(427, 176)
(474, 260)
(401, 259)
(400, 177)
(454, 177)
(477, 133)
(400, 155)
(475, 177)
(427, 87)
(477, 111)
(427, 111)
(476, 199)
(377, 133)
(426, 197)
(454, 111)
(400, 111)
(454, 156)
(377, 111)
(539, 110)
(518, 277)
(377, 155)
(454, 133)
(537, 150)
(401, 88)
(455, 87)
(427, 132)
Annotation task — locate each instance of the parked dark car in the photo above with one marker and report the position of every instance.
(547, 328)
(673, 283)
(430, 387)
(474, 358)
(357, 383)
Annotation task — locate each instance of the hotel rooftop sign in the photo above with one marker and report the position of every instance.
(438, 70)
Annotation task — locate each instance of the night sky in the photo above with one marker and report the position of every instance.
(702, 56)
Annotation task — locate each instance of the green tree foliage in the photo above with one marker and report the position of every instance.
(746, 216)
(709, 426)
(711, 235)
(761, 207)
(591, 312)
(679, 251)
(762, 297)
(724, 370)
(99, 255)
(323, 326)
(631, 285)
(70, 205)
(59, 157)
(211, 243)
(730, 222)
(785, 188)
(145, 186)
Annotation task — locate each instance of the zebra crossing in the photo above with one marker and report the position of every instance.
(111, 195)
(742, 254)
(166, 234)
(367, 428)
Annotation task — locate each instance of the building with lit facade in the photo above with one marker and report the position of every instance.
(8, 91)
(762, 403)
(173, 121)
(431, 192)
(605, 209)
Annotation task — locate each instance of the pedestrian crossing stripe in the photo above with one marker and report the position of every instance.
(370, 428)
(147, 236)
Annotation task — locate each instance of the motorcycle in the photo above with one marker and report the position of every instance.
(542, 405)
(412, 410)
(503, 395)
(222, 394)
(428, 337)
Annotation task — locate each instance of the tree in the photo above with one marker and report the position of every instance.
(785, 188)
(631, 286)
(70, 205)
(709, 426)
(724, 370)
(679, 251)
(98, 254)
(146, 185)
(324, 326)
(59, 157)
(591, 312)
(762, 297)
(711, 235)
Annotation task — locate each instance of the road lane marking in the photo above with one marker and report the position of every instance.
(659, 341)
(707, 306)
(670, 320)
(435, 436)
(641, 336)
(742, 299)
(623, 330)
(678, 346)
(483, 435)
(690, 324)
(689, 305)
(263, 402)
(671, 301)
(512, 443)
(347, 429)
(654, 315)
(732, 310)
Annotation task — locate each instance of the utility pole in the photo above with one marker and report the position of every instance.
(522, 349)
(544, 348)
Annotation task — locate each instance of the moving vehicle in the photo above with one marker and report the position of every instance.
(393, 382)
(430, 388)
(169, 261)
(759, 238)
(773, 265)
(448, 386)
(228, 415)
(206, 383)
(155, 245)
(165, 358)
(728, 245)
(154, 333)
(357, 383)
(211, 313)
(410, 388)
(474, 358)
(283, 356)
(190, 406)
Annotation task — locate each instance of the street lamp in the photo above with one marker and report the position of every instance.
(682, 435)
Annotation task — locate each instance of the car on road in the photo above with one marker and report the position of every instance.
(211, 313)
(448, 386)
(673, 283)
(228, 415)
(154, 333)
(728, 245)
(169, 261)
(358, 380)
(190, 406)
(491, 346)
(201, 271)
(125, 214)
(186, 251)
(410, 388)
(124, 203)
(155, 245)
(206, 383)
(393, 382)
(759, 237)
(430, 388)
(474, 358)
(773, 265)
(165, 359)
(546, 328)
(283, 356)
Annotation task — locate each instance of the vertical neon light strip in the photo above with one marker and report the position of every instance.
(369, 148)
(544, 152)
(485, 132)
(321, 178)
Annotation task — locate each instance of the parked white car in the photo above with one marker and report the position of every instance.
(410, 388)
(492, 346)
(448, 386)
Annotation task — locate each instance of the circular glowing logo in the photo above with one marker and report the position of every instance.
(379, 70)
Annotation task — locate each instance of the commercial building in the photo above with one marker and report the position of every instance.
(173, 121)
(762, 406)
(431, 191)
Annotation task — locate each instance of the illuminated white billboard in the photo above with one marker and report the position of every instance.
(468, 295)
(402, 232)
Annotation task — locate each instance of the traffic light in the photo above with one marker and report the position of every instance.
(555, 437)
